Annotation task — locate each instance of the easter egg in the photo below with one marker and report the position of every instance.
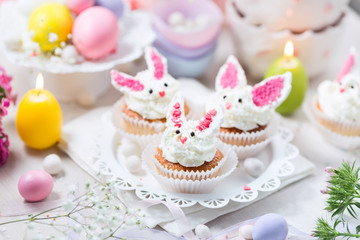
(117, 7)
(49, 25)
(35, 185)
(77, 6)
(270, 227)
(95, 33)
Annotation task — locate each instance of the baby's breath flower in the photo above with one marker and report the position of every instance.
(72, 189)
(77, 228)
(68, 205)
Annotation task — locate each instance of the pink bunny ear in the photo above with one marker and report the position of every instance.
(211, 121)
(348, 65)
(176, 115)
(272, 91)
(230, 75)
(156, 63)
(125, 83)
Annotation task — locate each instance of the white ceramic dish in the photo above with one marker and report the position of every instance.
(88, 79)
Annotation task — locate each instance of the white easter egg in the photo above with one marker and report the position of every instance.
(70, 55)
(133, 164)
(202, 231)
(129, 149)
(176, 18)
(254, 167)
(52, 164)
(203, 20)
(246, 231)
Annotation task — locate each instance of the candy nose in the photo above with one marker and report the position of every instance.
(342, 90)
(183, 139)
(162, 93)
(227, 105)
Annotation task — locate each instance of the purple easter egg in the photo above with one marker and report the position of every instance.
(270, 227)
(116, 6)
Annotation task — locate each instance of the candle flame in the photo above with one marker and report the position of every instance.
(39, 84)
(289, 49)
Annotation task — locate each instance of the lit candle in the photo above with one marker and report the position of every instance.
(39, 117)
(289, 63)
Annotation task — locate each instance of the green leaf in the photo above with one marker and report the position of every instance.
(358, 229)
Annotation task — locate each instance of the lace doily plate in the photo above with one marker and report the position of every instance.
(276, 157)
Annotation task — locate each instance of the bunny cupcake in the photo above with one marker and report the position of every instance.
(249, 110)
(336, 107)
(142, 110)
(190, 158)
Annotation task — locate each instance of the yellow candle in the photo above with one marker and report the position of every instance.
(39, 117)
(289, 63)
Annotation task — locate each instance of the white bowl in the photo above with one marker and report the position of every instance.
(258, 46)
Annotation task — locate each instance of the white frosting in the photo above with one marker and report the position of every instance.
(245, 115)
(341, 105)
(152, 106)
(199, 145)
(279, 15)
(194, 152)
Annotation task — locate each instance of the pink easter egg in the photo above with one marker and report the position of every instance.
(77, 6)
(35, 185)
(95, 33)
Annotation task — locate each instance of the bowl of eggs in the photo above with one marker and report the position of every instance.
(74, 43)
(187, 33)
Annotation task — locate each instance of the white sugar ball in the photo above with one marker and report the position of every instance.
(52, 164)
(58, 51)
(86, 99)
(176, 18)
(69, 54)
(246, 231)
(133, 164)
(254, 167)
(202, 231)
(203, 20)
(129, 149)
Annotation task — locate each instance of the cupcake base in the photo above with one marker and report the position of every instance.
(175, 170)
(205, 185)
(248, 144)
(333, 132)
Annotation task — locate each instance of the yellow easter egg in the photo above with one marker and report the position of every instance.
(49, 25)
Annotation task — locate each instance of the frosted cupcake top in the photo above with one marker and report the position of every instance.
(340, 99)
(246, 107)
(190, 143)
(149, 92)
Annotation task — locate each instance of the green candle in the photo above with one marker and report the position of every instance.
(289, 63)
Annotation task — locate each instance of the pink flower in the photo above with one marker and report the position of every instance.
(4, 147)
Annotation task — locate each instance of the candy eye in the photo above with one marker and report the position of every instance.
(177, 132)
(352, 86)
(240, 100)
(150, 91)
(224, 97)
(165, 84)
(192, 134)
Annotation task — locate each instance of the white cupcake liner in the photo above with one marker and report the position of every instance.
(331, 130)
(134, 126)
(340, 127)
(142, 139)
(228, 165)
(191, 175)
(254, 142)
